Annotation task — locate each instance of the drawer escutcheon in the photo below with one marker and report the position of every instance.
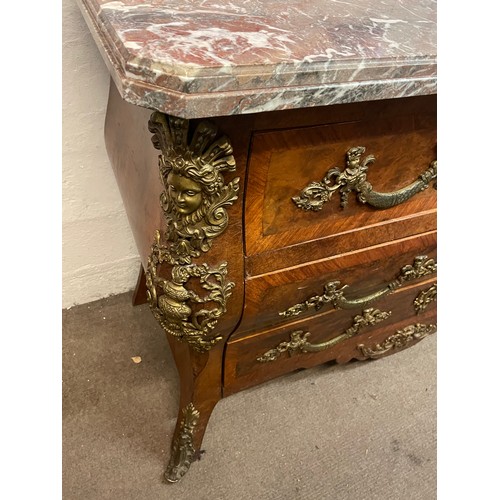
(332, 294)
(353, 178)
(298, 339)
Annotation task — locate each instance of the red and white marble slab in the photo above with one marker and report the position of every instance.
(199, 58)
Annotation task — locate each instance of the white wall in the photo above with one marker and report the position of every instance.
(99, 253)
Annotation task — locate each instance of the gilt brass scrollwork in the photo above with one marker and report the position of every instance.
(399, 340)
(181, 311)
(333, 292)
(183, 451)
(299, 339)
(353, 178)
(424, 298)
(194, 203)
(195, 197)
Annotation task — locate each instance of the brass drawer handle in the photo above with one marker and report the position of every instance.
(298, 339)
(398, 340)
(332, 294)
(353, 178)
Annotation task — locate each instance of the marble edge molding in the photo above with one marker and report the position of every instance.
(113, 65)
(409, 78)
(206, 105)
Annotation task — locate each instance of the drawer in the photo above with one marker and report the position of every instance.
(290, 170)
(303, 291)
(394, 322)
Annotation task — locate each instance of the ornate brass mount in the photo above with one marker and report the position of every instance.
(424, 298)
(353, 178)
(194, 204)
(333, 293)
(195, 197)
(399, 340)
(174, 307)
(298, 339)
(183, 452)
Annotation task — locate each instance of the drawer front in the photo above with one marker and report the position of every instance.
(341, 282)
(303, 185)
(394, 322)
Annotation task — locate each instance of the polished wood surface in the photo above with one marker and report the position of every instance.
(282, 163)
(135, 164)
(278, 255)
(341, 243)
(140, 290)
(243, 370)
(134, 161)
(364, 271)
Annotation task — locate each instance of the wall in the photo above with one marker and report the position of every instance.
(99, 253)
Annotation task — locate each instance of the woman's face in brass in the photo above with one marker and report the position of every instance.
(185, 193)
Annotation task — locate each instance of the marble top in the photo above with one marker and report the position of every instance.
(199, 58)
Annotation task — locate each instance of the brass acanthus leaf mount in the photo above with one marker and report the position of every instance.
(299, 339)
(333, 292)
(424, 298)
(399, 340)
(195, 197)
(353, 178)
(178, 309)
(194, 203)
(183, 452)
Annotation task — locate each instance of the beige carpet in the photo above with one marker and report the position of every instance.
(363, 431)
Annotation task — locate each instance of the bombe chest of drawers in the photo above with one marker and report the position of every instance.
(278, 168)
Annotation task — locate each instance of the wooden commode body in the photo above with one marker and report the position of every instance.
(276, 237)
